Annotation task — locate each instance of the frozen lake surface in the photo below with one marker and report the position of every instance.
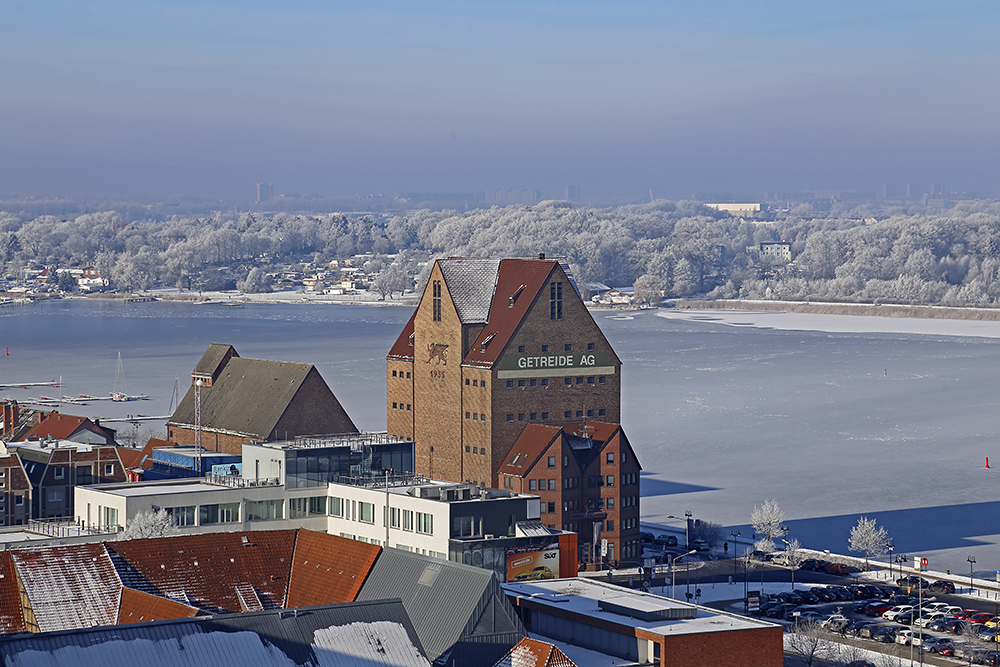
(833, 416)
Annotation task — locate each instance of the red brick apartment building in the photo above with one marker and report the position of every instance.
(496, 345)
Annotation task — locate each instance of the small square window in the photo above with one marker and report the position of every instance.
(394, 405)
(590, 346)
(109, 468)
(610, 458)
(475, 416)
(532, 485)
(552, 485)
(468, 415)
(483, 451)
(601, 412)
(545, 382)
(466, 382)
(520, 383)
(579, 380)
(567, 414)
(407, 375)
(611, 480)
(466, 449)
(533, 382)
(59, 473)
(510, 416)
(590, 413)
(475, 383)
(590, 380)
(545, 348)
(601, 380)
(552, 462)
(568, 347)
(520, 349)
(534, 416)
(552, 508)
(568, 381)
(475, 450)
(545, 415)
(407, 406)
(510, 383)
(482, 417)
(579, 413)
(520, 416)
(394, 374)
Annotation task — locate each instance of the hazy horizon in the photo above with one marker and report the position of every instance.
(158, 99)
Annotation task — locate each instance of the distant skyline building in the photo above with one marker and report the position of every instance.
(572, 193)
(264, 192)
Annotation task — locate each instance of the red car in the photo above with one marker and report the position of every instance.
(979, 617)
(877, 608)
(966, 613)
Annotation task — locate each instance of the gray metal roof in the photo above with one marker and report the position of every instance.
(471, 283)
(446, 601)
(251, 395)
(371, 633)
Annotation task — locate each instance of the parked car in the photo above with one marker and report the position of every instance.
(912, 583)
(808, 597)
(935, 644)
(979, 617)
(942, 586)
(896, 611)
(877, 608)
(838, 569)
(645, 537)
(886, 633)
(665, 540)
(823, 593)
(841, 592)
(835, 623)
(926, 619)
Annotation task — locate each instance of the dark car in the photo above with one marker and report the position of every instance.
(666, 540)
(874, 592)
(824, 594)
(912, 583)
(808, 597)
(942, 586)
(886, 633)
(645, 537)
(866, 631)
(842, 592)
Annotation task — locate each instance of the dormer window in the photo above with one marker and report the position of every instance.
(411, 340)
(513, 297)
(486, 342)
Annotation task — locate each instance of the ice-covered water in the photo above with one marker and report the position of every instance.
(833, 416)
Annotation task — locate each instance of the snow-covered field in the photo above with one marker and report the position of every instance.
(833, 416)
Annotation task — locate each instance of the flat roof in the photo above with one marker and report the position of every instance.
(138, 489)
(585, 597)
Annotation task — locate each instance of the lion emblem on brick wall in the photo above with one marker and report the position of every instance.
(437, 351)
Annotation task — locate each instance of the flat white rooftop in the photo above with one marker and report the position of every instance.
(592, 599)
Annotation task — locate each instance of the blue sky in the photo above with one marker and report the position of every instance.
(167, 99)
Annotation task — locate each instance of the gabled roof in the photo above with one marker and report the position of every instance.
(250, 396)
(142, 458)
(446, 601)
(371, 634)
(518, 284)
(205, 571)
(60, 427)
(214, 356)
(17, 476)
(533, 653)
(71, 586)
(470, 282)
(328, 569)
(586, 440)
(528, 448)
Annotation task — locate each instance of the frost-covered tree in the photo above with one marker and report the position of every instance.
(149, 524)
(808, 641)
(869, 537)
(768, 520)
(648, 289)
(793, 557)
(255, 282)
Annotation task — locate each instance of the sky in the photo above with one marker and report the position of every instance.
(164, 99)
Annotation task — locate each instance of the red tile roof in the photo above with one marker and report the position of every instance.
(402, 349)
(11, 611)
(328, 569)
(529, 446)
(205, 570)
(533, 653)
(58, 425)
(139, 607)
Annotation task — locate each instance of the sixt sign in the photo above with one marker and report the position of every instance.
(525, 365)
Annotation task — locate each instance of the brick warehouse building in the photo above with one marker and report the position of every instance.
(493, 346)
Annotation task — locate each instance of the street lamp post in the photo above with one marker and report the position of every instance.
(972, 561)
(734, 535)
(890, 547)
(687, 526)
(673, 572)
(790, 560)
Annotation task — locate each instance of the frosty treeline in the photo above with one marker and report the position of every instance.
(907, 256)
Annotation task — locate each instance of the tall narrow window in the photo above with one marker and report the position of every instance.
(555, 300)
(436, 301)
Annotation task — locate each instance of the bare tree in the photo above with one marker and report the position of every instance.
(869, 537)
(808, 642)
(149, 524)
(767, 520)
(793, 557)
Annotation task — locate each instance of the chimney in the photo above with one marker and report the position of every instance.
(541, 255)
(11, 416)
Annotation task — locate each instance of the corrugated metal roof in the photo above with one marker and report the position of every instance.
(470, 281)
(445, 600)
(377, 633)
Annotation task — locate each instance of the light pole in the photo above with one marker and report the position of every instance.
(687, 526)
(972, 561)
(890, 547)
(734, 535)
(790, 559)
(673, 572)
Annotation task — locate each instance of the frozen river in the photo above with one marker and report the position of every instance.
(833, 416)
